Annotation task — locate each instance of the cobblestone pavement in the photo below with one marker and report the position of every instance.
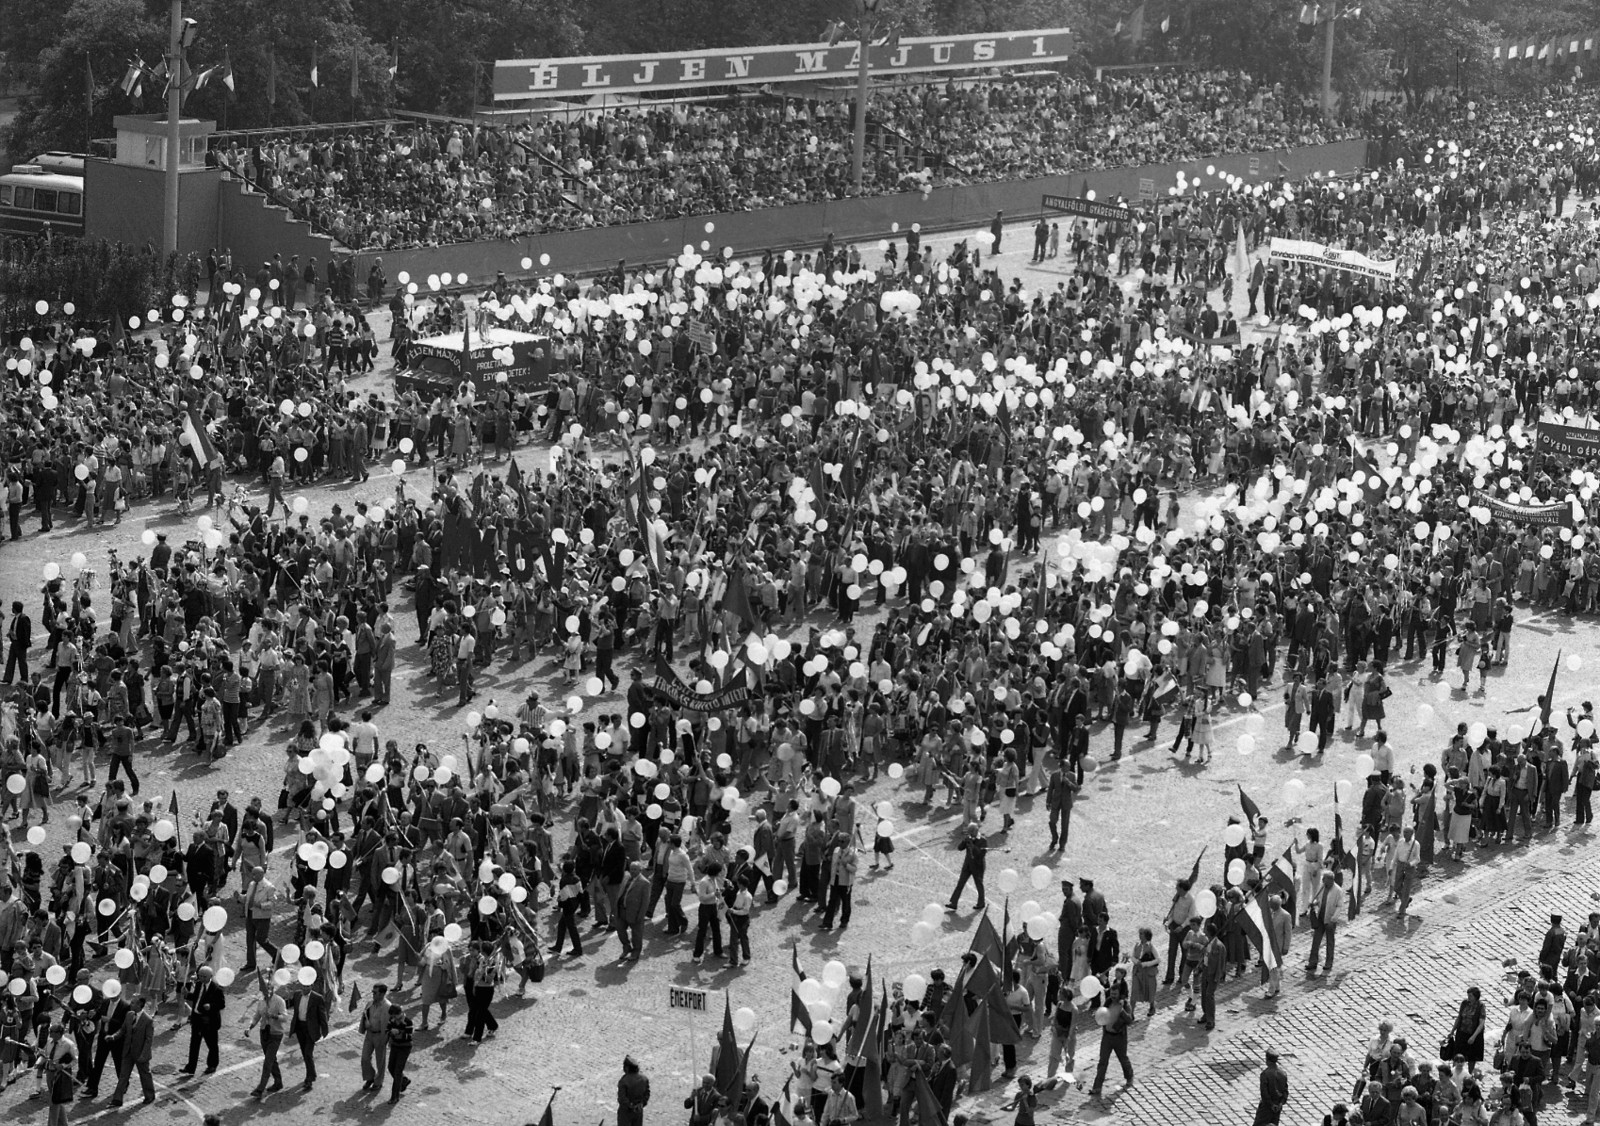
(1138, 827)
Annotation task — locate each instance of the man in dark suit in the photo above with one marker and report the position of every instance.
(1213, 972)
(45, 483)
(632, 909)
(206, 1003)
(135, 1037)
(19, 637)
(309, 1023)
(111, 1018)
(1324, 710)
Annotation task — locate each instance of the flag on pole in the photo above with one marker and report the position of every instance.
(314, 81)
(1135, 27)
(798, 1013)
(548, 1119)
(88, 86)
(1550, 691)
(198, 441)
(929, 1112)
(355, 73)
(132, 76)
(1241, 256)
(1252, 811)
(725, 1066)
(272, 76)
(355, 997)
(394, 58)
(986, 942)
(736, 599)
(1281, 879)
(1194, 873)
(227, 70)
(1260, 932)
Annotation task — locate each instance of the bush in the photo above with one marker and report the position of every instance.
(103, 281)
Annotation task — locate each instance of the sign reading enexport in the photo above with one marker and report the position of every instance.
(516, 79)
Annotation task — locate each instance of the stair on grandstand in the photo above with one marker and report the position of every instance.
(255, 229)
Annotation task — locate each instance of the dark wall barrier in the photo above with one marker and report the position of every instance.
(125, 203)
(945, 209)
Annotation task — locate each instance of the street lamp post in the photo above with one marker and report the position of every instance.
(169, 239)
(866, 12)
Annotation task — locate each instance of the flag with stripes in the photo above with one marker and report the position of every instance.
(198, 441)
(131, 78)
(1165, 686)
(1260, 932)
(798, 1013)
(1281, 880)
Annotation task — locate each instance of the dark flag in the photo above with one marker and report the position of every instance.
(726, 1067)
(1252, 811)
(986, 943)
(929, 1112)
(1550, 691)
(1194, 873)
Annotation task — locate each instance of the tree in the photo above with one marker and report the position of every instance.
(1430, 41)
(96, 37)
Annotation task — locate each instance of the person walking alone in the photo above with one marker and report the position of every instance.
(1274, 1092)
(633, 1094)
(976, 849)
(1113, 1042)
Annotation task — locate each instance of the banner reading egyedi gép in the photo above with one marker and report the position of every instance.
(517, 79)
(1569, 441)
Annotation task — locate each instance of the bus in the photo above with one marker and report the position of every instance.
(35, 200)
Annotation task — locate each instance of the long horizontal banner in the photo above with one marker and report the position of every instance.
(1570, 441)
(1094, 209)
(1316, 254)
(516, 79)
(1559, 514)
(671, 685)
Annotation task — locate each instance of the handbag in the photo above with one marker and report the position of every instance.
(448, 990)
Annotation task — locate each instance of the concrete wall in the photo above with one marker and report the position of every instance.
(256, 230)
(749, 232)
(124, 203)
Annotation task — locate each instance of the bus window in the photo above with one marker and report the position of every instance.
(5, 195)
(24, 198)
(69, 203)
(44, 199)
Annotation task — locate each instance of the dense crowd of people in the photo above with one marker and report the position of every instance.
(999, 468)
(426, 184)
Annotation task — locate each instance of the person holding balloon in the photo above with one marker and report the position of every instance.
(1114, 1018)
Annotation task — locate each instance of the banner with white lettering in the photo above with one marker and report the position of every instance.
(518, 79)
(1316, 254)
